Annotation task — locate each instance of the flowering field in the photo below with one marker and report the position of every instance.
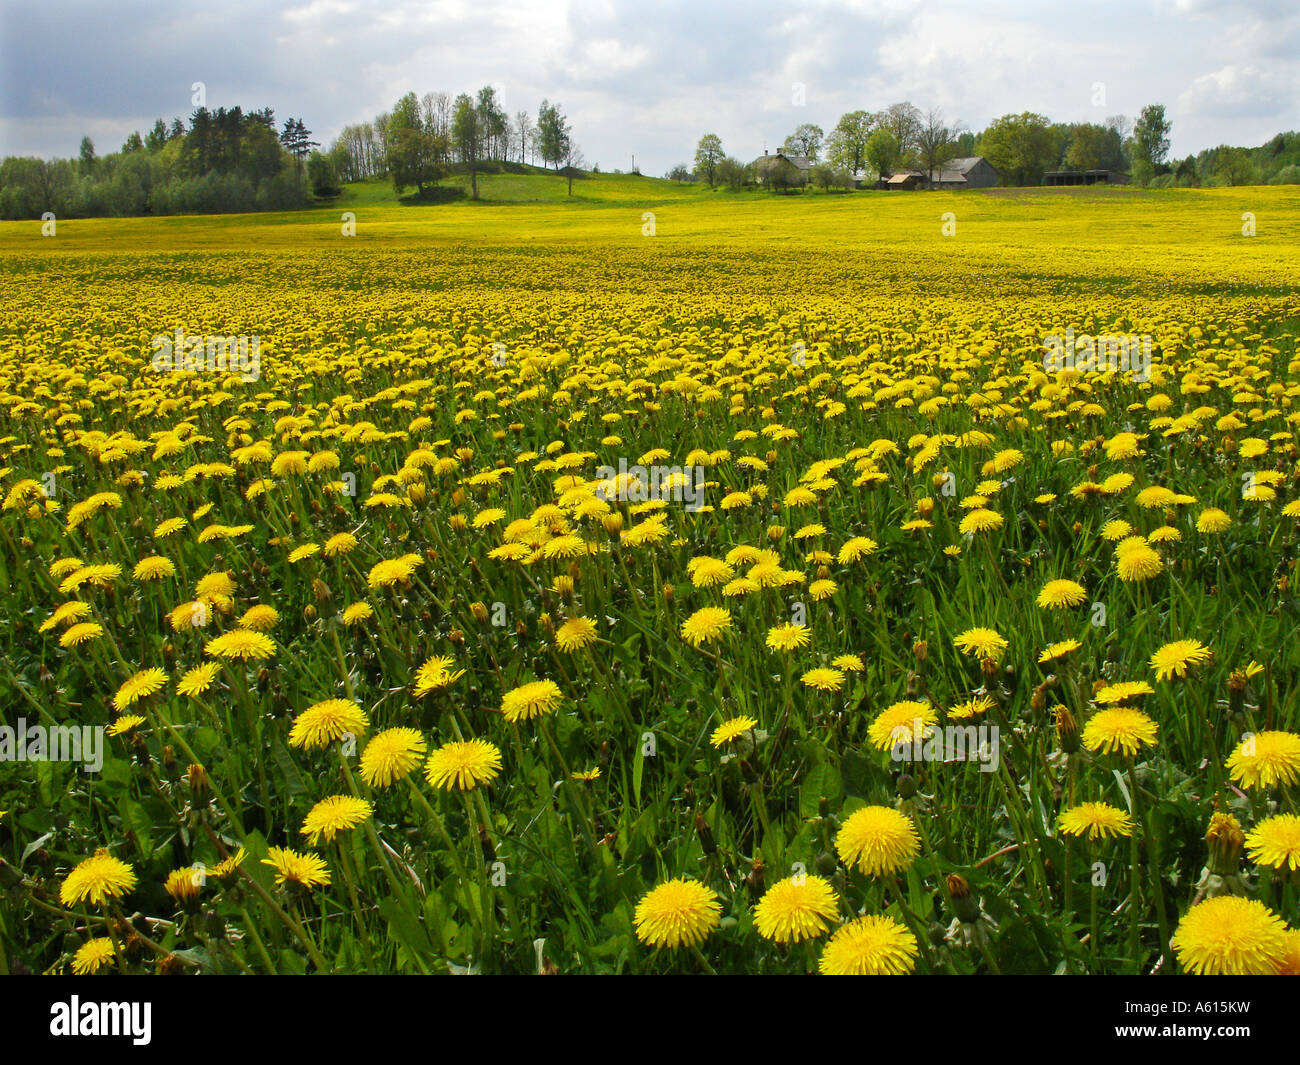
(542, 595)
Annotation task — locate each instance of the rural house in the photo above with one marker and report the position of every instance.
(781, 170)
(968, 172)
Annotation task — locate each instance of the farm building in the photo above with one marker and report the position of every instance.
(781, 170)
(968, 172)
(1084, 177)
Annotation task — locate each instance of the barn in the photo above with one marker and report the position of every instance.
(1056, 178)
(968, 172)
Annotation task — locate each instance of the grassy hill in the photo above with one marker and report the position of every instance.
(1109, 232)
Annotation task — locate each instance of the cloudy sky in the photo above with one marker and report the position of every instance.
(648, 77)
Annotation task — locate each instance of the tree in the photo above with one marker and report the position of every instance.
(320, 172)
(1151, 136)
(828, 176)
(733, 173)
(1087, 148)
(494, 125)
(133, 144)
(412, 160)
(553, 134)
(87, 163)
(573, 163)
(157, 137)
(882, 151)
(467, 138)
(296, 138)
(1232, 166)
(708, 154)
(1020, 147)
(806, 140)
(935, 141)
(904, 122)
(523, 131)
(846, 147)
(681, 172)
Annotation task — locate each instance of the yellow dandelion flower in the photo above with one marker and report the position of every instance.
(301, 870)
(1096, 820)
(1266, 759)
(140, 686)
(534, 699)
(869, 946)
(677, 913)
(1121, 729)
(97, 879)
(463, 765)
(797, 908)
(1230, 936)
(326, 722)
(1174, 659)
(878, 841)
(335, 814)
(731, 729)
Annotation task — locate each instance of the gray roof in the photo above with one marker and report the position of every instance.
(797, 160)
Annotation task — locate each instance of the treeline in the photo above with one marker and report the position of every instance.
(866, 145)
(227, 160)
(423, 139)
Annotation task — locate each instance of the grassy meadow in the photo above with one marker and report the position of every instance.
(656, 580)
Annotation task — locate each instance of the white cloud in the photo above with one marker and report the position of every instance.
(1236, 92)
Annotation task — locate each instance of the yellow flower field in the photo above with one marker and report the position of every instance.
(530, 594)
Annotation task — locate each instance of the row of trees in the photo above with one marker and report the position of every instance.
(422, 139)
(1021, 147)
(225, 160)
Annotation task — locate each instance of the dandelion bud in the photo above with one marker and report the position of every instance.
(309, 613)
(170, 765)
(823, 573)
(989, 667)
(612, 522)
(458, 523)
(321, 590)
(964, 904)
(755, 878)
(1077, 528)
(906, 785)
(1092, 472)
(456, 636)
(668, 593)
(1067, 730)
(775, 532)
(707, 842)
(548, 626)
(479, 612)
(294, 519)
(920, 650)
(1225, 840)
(458, 497)
(925, 506)
(197, 778)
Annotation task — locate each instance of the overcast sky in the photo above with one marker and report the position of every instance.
(649, 78)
